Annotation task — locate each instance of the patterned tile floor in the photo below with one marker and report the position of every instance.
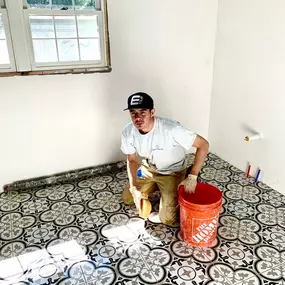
(80, 233)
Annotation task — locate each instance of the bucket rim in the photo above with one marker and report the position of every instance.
(218, 203)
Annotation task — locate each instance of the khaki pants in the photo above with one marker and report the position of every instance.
(168, 186)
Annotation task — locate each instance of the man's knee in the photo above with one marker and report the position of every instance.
(169, 216)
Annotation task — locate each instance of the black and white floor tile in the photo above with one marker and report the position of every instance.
(80, 233)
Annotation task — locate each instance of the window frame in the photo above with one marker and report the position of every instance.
(7, 67)
(67, 64)
(20, 43)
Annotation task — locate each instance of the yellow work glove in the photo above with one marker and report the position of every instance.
(189, 183)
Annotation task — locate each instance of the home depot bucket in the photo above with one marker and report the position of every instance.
(199, 214)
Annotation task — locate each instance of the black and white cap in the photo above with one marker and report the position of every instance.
(140, 100)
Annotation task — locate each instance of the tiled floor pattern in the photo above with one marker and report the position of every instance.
(80, 233)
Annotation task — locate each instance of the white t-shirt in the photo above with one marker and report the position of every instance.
(164, 146)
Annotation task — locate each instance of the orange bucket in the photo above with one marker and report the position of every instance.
(199, 214)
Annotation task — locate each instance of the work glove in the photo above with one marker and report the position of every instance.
(189, 183)
(142, 203)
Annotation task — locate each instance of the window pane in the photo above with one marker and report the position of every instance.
(4, 55)
(84, 4)
(62, 4)
(42, 26)
(39, 4)
(68, 50)
(45, 50)
(89, 49)
(87, 26)
(65, 27)
(2, 31)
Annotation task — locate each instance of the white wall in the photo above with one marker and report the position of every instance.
(249, 86)
(57, 123)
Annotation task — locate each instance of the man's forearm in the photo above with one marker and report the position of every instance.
(132, 167)
(200, 157)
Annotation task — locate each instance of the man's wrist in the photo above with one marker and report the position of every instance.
(194, 171)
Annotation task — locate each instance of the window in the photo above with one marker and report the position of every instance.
(37, 35)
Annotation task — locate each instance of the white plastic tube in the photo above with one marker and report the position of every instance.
(254, 137)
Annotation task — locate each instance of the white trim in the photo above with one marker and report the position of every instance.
(18, 34)
(98, 4)
(70, 38)
(55, 34)
(103, 28)
(29, 39)
(102, 38)
(77, 39)
(68, 64)
(40, 12)
(71, 65)
(7, 67)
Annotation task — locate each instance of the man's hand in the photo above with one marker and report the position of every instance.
(133, 188)
(142, 203)
(189, 183)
